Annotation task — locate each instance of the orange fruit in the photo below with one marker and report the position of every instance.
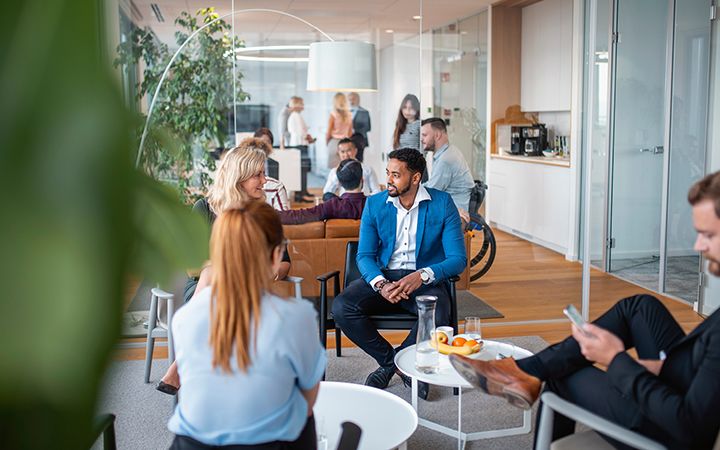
(470, 343)
(458, 342)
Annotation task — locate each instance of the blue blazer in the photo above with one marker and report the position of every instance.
(439, 243)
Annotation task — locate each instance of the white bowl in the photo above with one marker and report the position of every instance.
(549, 154)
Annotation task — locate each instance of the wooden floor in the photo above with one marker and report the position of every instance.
(528, 282)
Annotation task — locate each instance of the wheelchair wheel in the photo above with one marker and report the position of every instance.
(483, 260)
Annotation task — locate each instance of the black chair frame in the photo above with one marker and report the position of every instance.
(397, 321)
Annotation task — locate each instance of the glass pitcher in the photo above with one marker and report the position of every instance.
(427, 358)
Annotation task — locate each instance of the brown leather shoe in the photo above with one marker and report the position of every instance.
(501, 377)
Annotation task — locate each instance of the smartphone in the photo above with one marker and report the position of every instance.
(572, 313)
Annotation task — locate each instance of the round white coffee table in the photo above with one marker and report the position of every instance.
(386, 420)
(447, 376)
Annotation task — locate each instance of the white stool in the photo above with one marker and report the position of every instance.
(156, 329)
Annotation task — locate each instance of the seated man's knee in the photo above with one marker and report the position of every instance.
(640, 300)
(338, 309)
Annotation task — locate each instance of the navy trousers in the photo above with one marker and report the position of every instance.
(641, 322)
(359, 300)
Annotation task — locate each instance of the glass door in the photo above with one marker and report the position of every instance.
(688, 124)
(636, 142)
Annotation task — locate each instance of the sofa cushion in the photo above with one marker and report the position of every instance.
(310, 230)
(342, 228)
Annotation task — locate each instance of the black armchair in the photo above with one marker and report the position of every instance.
(395, 321)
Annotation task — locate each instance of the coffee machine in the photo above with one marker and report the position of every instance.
(534, 139)
(517, 142)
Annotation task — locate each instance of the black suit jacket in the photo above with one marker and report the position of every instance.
(684, 400)
(361, 122)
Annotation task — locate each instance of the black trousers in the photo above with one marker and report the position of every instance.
(305, 167)
(306, 440)
(641, 322)
(359, 300)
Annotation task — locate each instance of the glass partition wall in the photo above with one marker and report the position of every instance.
(655, 75)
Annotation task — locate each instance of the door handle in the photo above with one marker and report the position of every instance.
(643, 150)
(658, 149)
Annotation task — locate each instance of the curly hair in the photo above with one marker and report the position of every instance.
(414, 159)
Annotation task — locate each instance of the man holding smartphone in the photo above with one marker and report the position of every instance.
(671, 393)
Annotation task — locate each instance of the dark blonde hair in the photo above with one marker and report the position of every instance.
(241, 251)
(707, 188)
(238, 165)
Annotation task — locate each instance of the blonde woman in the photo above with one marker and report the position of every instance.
(240, 179)
(251, 362)
(339, 127)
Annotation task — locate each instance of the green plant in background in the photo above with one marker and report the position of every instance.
(78, 220)
(192, 108)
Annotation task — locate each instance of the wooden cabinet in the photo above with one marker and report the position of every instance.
(546, 56)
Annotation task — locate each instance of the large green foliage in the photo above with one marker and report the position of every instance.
(193, 101)
(78, 218)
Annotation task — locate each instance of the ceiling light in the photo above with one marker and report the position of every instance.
(342, 66)
(417, 17)
(271, 48)
(389, 31)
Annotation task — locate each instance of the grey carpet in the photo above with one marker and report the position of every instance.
(470, 304)
(142, 412)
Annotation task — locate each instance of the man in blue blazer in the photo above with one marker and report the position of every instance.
(670, 392)
(411, 242)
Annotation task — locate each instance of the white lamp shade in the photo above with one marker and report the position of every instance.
(342, 66)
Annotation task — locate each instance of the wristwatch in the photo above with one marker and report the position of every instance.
(424, 276)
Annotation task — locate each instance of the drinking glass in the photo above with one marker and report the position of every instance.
(472, 327)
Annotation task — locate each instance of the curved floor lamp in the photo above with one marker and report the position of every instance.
(332, 65)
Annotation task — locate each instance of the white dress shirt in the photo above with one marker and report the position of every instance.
(403, 255)
(298, 129)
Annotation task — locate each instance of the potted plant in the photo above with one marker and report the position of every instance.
(190, 118)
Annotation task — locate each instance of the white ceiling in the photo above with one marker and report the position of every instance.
(365, 20)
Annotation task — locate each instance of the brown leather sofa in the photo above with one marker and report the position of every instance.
(319, 247)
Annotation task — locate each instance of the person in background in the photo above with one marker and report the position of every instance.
(296, 126)
(251, 362)
(669, 392)
(348, 206)
(407, 124)
(300, 139)
(240, 180)
(339, 127)
(361, 124)
(450, 172)
(347, 150)
(410, 244)
(282, 120)
(275, 192)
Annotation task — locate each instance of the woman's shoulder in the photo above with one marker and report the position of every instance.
(290, 308)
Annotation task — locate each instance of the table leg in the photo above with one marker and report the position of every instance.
(459, 430)
(414, 393)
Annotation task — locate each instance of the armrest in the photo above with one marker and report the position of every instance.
(326, 276)
(552, 402)
(454, 279)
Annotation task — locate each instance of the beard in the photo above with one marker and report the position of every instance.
(714, 268)
(398, 192)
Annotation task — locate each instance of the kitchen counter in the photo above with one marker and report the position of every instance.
(552, 161)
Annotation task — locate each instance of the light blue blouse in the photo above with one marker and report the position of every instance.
(261, 405)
